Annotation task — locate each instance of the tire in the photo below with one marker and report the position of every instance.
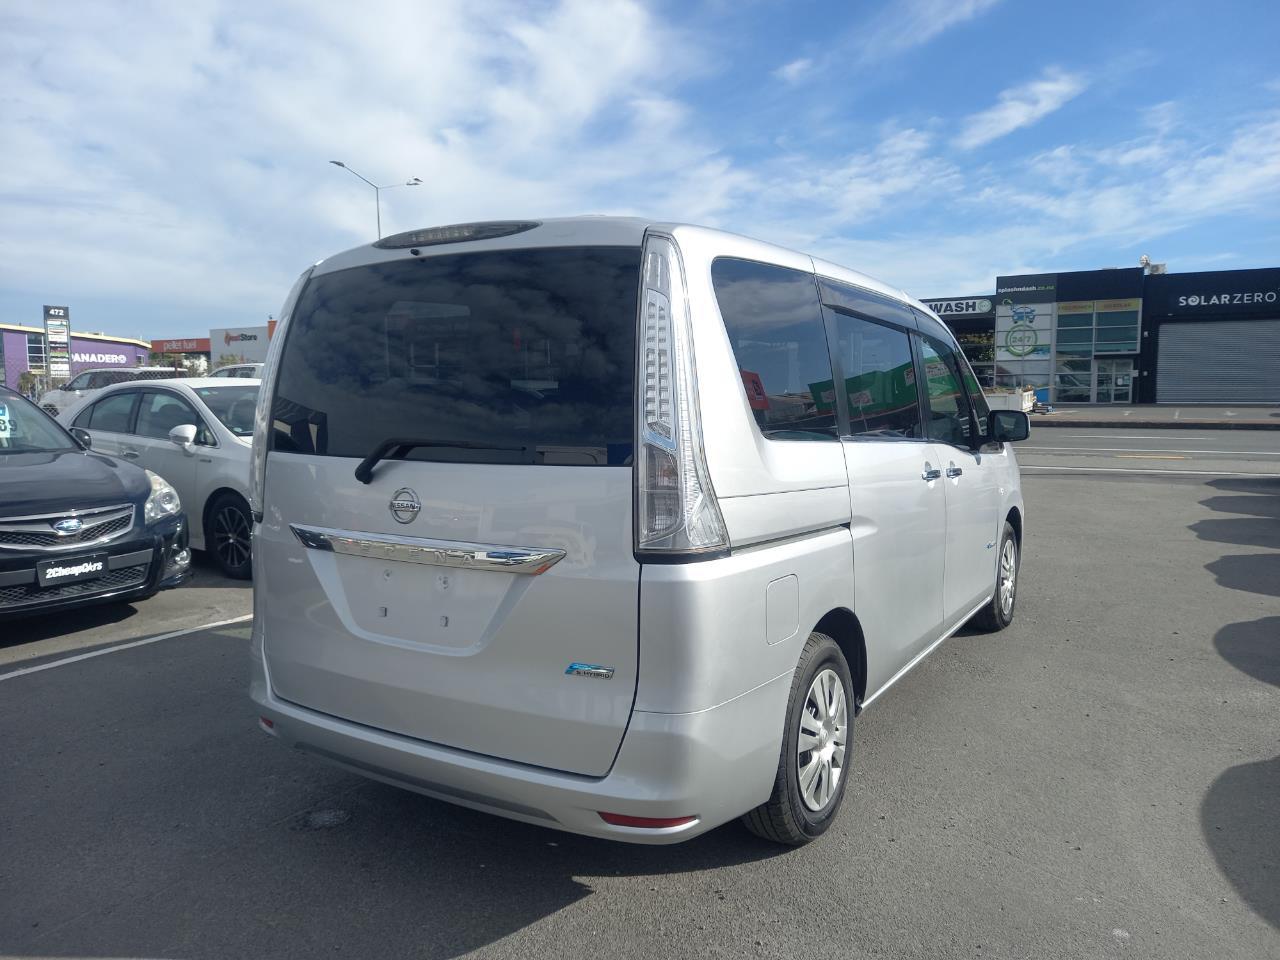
(788, 816)
(998, 614)
(227, 536)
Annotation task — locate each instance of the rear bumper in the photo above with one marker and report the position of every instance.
(713, 764)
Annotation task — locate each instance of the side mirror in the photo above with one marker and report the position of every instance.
(184, 435)
(1008, 426)
(82, 437)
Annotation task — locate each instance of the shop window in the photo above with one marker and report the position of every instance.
(775, 328)
(35, 352)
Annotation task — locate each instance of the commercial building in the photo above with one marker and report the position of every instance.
(22, 350)
(1125, 336)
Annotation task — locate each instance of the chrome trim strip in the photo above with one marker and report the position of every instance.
(440, 553)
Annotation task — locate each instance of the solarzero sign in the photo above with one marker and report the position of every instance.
(1226, 299)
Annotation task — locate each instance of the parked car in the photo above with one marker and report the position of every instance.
(196, 434)
(76, 527)
(87, 383)
(575, 526)
(239, 370)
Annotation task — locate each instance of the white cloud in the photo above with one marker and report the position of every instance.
(794, 71)
(903, 24)
(178, 155)
(1021, 106)
(175, 160)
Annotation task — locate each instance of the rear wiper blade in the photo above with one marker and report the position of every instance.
(364, 472)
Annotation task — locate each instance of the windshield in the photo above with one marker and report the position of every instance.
(25, 428)
(233, 405)
(502, 356)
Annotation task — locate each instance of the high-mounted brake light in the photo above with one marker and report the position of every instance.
(454, 233)
(676, 507)
(652, 823)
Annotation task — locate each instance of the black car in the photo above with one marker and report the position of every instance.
(76, 527)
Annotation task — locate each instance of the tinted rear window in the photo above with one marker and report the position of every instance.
(524, 356)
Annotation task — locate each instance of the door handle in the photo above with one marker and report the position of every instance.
(930, 473)
(953, 471)
(129, 454)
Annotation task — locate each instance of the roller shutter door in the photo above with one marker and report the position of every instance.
(1226, 361)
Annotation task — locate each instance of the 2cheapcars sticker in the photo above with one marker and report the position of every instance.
(75, 568)
(6, 425)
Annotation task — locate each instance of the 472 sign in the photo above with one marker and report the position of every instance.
(57, 342)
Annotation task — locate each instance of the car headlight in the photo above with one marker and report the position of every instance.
(163, 501)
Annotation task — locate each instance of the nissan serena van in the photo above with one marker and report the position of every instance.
(614, 526)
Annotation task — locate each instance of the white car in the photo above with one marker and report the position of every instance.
(239, 370)
(87, 383)
(196, 434)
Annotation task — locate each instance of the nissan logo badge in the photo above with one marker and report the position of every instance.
(405, 506)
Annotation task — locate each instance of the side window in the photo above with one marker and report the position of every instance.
(879, 379)
(113, 413)
(80, 383)
(161, 412)
(948, 418)
(97, 380)
(774, 323)
(82, 418)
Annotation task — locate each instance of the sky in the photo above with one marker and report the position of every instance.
(165, 165)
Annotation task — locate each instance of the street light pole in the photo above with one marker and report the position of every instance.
(377, 190)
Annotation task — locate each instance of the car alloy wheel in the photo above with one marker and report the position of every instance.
(231, 536)
(1008, 576)
(820, 747)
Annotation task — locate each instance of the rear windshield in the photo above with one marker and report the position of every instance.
(516, 356)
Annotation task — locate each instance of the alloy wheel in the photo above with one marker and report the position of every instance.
(820, 749)
(231, 535)
(1008, 576)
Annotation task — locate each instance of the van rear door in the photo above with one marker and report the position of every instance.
(480, 591)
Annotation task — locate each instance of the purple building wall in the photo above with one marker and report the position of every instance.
(85, 355)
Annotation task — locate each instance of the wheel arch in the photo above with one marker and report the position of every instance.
(1014, 518)
(842, 626)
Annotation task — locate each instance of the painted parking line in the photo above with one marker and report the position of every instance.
(1132, 436)
(1166, 473)
(1224, 453)
(121, 646)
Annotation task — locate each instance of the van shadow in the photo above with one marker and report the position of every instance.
(1239, 815)
(376, 865)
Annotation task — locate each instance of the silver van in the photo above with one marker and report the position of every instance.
(614, 526)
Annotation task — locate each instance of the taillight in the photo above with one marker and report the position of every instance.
(676, 510)
(266, 397)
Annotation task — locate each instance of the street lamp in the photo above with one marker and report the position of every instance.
(377, 198)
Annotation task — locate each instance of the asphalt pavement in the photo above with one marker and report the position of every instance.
(1100, 780)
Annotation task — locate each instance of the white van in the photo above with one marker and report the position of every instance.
(569, 522)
